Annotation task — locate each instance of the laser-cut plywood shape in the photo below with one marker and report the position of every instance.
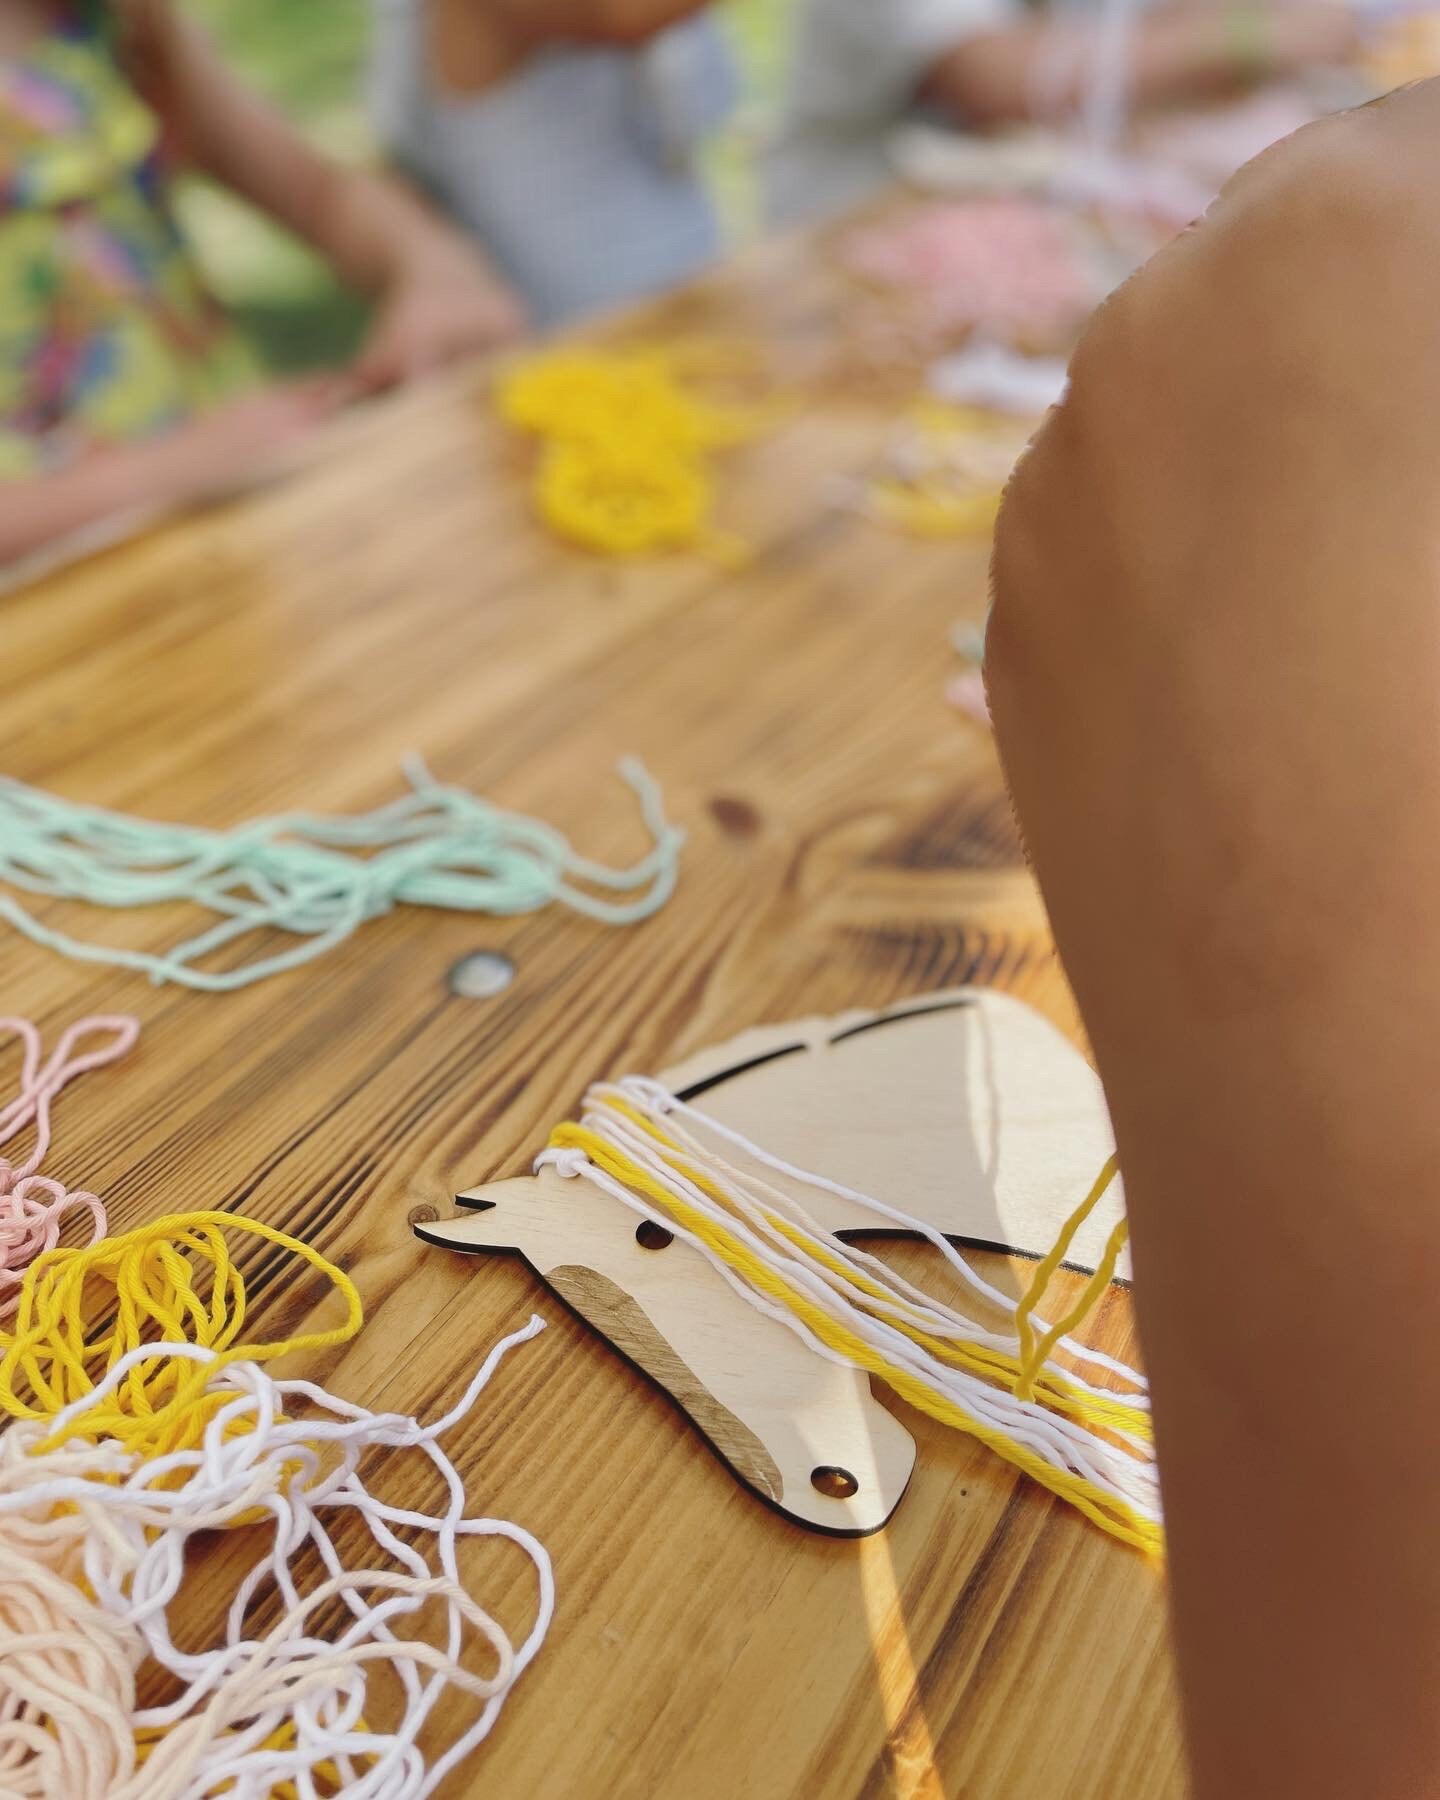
(965, 1109)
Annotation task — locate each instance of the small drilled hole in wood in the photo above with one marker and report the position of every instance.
(481, 975)
(650, 1236)
(835, 1484)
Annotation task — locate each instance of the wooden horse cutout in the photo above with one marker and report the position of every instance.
(965, 1109)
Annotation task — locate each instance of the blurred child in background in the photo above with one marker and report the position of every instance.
(564, 134)
(860, 68)
(121, 384)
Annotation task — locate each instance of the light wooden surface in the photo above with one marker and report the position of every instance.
(850, 844)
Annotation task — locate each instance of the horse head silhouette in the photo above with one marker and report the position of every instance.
(965, 1109)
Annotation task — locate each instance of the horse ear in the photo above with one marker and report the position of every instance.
(499, 1215)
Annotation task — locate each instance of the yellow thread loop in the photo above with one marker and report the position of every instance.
(147, 1283)
(625, 467)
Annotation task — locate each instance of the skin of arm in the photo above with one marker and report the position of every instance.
(438, 298)
(1177, 54)
(535, 22)
(1214, 667)
(42, 508)
(189, 463)
(475, 44)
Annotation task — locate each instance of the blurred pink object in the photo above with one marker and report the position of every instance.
(966, 692)
(1211, 145)
(32, 1205)
(997, 265)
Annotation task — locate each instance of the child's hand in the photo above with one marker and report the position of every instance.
(202, 460)
(215, 453)
(441, 309)
(223, 448)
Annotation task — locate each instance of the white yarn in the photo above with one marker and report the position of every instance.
(649, 1093)
(125, 1524)
(1108, 96)
(1125, 1470)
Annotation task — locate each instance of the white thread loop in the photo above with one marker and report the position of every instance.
(93, 1557)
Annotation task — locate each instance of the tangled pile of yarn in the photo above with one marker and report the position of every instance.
(1015, 268)
(158, 1422)
(315, 878)
(174, 1280)
(625, 464)
(94, 1541)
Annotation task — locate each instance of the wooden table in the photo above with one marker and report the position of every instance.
(850, 843)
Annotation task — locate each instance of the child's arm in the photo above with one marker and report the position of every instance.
(438, 298)
(1214, 666)
(595, 21)
(1189, 52)
(477, 43)
(192, 462)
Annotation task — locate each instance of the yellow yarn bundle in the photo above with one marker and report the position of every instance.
(146, 1286)
(625, 464)
(945, 473)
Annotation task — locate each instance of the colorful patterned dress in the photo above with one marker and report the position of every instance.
(107, 332)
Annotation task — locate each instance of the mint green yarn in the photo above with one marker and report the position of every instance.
(299, 872)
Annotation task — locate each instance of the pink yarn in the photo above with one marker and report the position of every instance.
(32, 1205)
(967, 692)
(999, 265)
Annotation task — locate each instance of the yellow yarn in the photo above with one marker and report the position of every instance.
(623, 500)
(1111, 1514)
(625, 468)
(328, 1779)
(146, 1287)
(1033, 1354)
(929, 509)
(946, 473)
(1099, 1411)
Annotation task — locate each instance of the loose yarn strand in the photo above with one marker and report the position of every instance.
(867, 1342)
(317, 878)
(889, 1294)
(32, 1205)
(938, 1331)
(1033, 1354)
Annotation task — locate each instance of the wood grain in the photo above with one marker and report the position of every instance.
(608, 1307)
(850, 844)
